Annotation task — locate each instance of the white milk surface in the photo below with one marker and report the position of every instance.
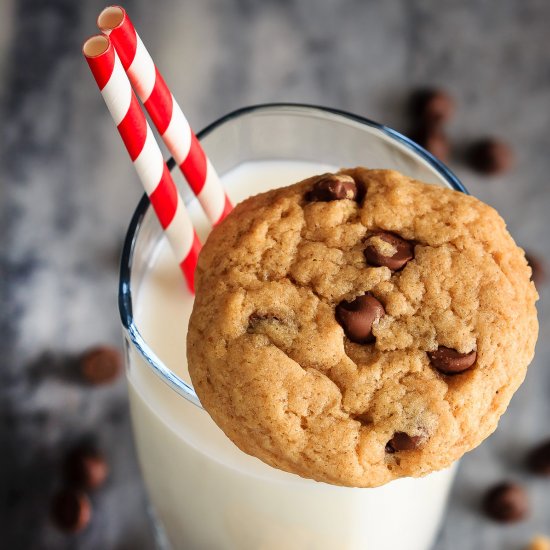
(210, 495)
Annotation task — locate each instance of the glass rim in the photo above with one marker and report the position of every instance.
(179, 385)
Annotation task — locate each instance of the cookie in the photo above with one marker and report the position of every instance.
(360, 331)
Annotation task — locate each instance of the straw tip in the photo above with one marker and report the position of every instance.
(95, 45)
(110, 18)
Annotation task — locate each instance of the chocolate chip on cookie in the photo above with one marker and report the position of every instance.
(385, 249)
(358, 316)
(403, 442)
(333, 187)
(507, 502)
(450, 361)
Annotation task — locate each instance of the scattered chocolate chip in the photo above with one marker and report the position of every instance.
(450, 361)
(403, 442)
(538, 460)
(86, 468)
(332, 187)
(358, 316)
(433, 139)
(507, 502)
(388, 250)
(101, 365)
(432, 106)
(538, 269)
(71, 510)
(490, 156)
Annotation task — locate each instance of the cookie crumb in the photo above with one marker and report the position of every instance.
(539, 542)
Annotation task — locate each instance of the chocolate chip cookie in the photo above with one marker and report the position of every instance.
(359, 327)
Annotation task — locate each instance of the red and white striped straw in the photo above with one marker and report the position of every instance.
(144, 152)
(165, 113)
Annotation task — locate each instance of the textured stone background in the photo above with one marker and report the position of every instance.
(67, 192)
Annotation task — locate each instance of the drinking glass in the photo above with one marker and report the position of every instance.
(205, 492)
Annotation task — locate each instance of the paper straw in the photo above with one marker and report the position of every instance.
(165, 113)
(144, 152)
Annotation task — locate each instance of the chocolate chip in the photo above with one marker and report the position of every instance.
(538, 269)
(388, 250)
(101, 365)
(431, 106)
(507, 502)
(71, 510)
(358, 316)
(433, 139)
(403, 442)
(332, 187)
(538, 460)
(86, 468)
(490, 156)
(450, 361)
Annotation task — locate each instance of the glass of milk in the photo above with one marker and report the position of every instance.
(205, 492)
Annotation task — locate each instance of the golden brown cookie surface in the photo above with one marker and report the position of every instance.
(356, 338)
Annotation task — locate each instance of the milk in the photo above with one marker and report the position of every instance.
(210, 495)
